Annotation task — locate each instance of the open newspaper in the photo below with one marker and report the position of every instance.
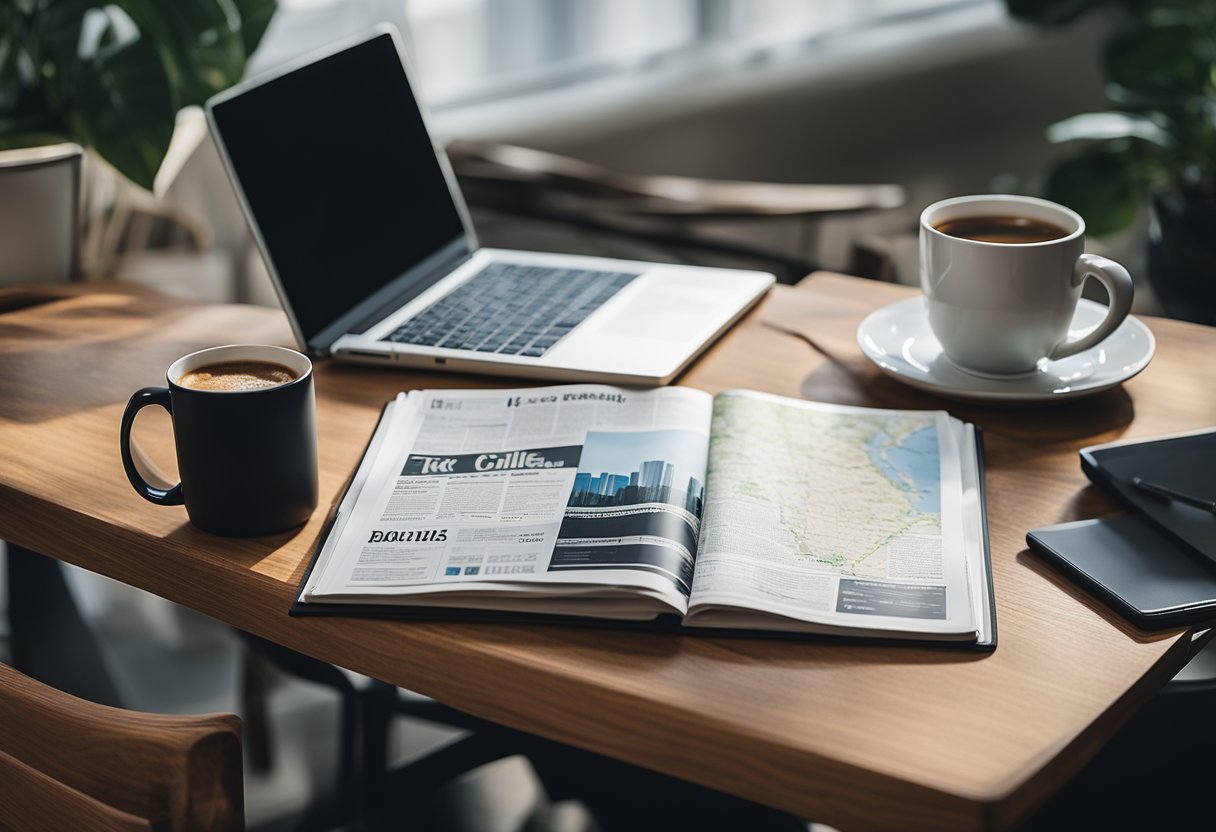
(737, 511)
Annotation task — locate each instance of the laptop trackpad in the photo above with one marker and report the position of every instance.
(661, 315)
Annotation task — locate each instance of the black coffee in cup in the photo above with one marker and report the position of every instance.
(237, 376)
(1002, 229)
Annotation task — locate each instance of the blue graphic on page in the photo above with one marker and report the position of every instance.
(913, 464)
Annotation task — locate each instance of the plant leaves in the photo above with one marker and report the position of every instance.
(1169, 61)
(117, 98)
(1105, 183)
(199, 44)
(13, 140)
(126, 111)
(12, 53)
(116, 84)
(1108, 126)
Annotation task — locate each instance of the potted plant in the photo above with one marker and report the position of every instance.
(1158, 142)
(111, 75)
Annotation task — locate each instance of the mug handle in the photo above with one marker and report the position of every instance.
(141, 399)
(1118, 285)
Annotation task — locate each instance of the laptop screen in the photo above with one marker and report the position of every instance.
(341, 177)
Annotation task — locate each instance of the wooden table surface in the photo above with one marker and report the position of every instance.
(850, 735)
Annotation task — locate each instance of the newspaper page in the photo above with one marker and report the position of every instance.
(582, 491)
(842, 518)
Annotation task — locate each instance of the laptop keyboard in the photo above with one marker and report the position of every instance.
(511, 309)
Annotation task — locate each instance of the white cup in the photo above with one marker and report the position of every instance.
(1001, 308)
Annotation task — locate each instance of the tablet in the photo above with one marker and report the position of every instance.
(1148, 576)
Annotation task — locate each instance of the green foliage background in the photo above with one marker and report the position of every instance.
(112, 75)
(1160, 135)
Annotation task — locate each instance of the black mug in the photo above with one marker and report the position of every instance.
(248, 458)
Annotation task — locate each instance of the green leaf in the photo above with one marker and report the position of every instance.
(13, 140)
(1169, 61)
(1200, 13)
(1105, 183)
(12, 26)
(255, 17)
(199, 44)
(117, 99)
(14, 128)
(117, 83)
(10, 90)
(1100, 126)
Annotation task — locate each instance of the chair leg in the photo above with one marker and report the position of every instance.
(348, 803)
(51, 641)
(379, 701)
(255, 683)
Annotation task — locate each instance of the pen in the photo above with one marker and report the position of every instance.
(1171, 494)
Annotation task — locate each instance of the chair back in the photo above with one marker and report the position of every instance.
(71, 764)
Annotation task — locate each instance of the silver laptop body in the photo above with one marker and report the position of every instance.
(368, 241)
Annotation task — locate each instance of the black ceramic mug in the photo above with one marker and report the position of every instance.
(248, 458)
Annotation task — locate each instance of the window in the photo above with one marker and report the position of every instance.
(465, 50)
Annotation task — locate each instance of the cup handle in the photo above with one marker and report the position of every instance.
(141, 399)
(1118, 285)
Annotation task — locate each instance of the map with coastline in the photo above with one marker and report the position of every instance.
(859, 494)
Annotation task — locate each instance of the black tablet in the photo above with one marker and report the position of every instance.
(1150, 577)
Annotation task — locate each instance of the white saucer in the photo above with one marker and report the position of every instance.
(897, 338)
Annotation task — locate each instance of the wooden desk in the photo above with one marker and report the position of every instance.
(854, 736)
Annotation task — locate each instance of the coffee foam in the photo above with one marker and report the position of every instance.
(237, 376)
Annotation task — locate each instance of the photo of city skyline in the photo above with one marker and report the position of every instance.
(626, 469)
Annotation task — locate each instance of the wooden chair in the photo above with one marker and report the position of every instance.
(66, 763)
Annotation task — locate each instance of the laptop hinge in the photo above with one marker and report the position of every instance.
(393, 296)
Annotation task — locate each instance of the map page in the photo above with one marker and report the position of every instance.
(821, 511)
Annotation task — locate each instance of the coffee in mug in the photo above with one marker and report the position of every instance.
(1002, 275)
(244, 426)
(235, 376)
(1002, 229)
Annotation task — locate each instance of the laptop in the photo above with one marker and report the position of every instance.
(368, 242)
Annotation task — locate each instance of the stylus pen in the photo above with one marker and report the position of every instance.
(1171, 494)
